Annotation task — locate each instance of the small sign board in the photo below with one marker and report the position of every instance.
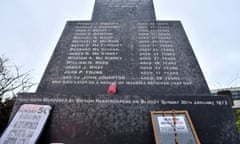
(173, 127)
(26, 125)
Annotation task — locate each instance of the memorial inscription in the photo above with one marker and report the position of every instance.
(123, 119)
(140, 57)
(151, 62)
(121, 3)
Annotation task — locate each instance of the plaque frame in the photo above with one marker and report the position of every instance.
(174, 113)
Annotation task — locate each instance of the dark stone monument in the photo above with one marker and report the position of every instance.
(123, 10)
(124, 44)
(123, 119)
(152, 64)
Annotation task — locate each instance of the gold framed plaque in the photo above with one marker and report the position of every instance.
(173, 127)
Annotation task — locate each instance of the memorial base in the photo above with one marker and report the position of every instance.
(122, 119)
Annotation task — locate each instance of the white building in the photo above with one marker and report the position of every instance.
(235, 91)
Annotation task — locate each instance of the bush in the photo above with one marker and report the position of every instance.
(237, 113)
(5, 111)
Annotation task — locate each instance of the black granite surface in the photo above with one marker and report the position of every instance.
(123, 10)
(142, 58)
(152, 63)
(124, 119)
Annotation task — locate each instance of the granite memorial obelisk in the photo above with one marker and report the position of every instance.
(153, 65)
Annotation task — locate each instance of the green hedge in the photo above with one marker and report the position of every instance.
(237, 113)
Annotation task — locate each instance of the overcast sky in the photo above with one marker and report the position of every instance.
(30, 29)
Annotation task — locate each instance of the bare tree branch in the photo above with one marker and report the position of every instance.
(11, 80)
